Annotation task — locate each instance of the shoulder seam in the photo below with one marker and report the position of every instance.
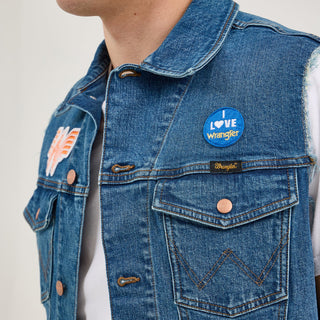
(239, 24)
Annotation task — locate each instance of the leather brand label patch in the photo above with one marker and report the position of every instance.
(223, 127)
(225, 166)
(61, 147)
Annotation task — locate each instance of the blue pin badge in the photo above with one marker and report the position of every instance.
(223, 127)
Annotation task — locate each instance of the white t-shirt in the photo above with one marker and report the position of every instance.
(93, 299)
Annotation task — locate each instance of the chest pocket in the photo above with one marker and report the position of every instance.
(228, 238)
(39, 213)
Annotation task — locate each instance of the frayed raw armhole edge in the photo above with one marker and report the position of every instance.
(312, 64)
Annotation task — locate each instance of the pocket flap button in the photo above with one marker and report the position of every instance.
(59, 288)
(71, 177)
(224, 206)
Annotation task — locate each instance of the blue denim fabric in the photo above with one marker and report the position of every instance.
(159, 188)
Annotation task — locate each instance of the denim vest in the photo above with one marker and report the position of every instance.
(192, 228)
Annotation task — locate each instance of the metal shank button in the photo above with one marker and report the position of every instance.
(59, 288)
(71, 177)
(224, 206)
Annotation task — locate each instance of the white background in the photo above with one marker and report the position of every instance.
(43, 52)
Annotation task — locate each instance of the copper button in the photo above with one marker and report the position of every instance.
(224, 206)
(37, 214)
(59, 288)
(71, 177)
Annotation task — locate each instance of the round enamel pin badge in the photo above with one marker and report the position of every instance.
(223, 127)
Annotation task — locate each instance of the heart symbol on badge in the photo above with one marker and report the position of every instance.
(218, 124)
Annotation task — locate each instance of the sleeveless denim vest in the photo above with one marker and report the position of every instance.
(192, 230)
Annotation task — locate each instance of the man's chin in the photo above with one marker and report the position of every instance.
(76, 7)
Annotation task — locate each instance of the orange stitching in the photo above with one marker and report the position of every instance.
(217, 312)
(213, 274)
(279, 166)
(31, 218)
(228, 252)
(60, 189)
(199, 286)
(246, 213)
(148, 177)
(165, 225)
(183, 267)
(149, 249)
(54, 182)
(122, 281)
(216, 305)
(186, 314)
(45, 270)
(42, 267)
(221, 34)
(205, 171)
(287, 235)
(171, 121)
(215, 224)
(105, 116)
(182, 257)
(43, 296)
(85, 87)
(279, 311)
(259, 283)
(293, 158)
(279, 251)
(149, 170)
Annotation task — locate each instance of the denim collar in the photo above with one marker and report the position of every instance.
(191, 44)
(195, 39)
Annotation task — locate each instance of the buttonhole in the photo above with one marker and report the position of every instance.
(122, 281)
(129, 73)
(118, 168)
(92, 97)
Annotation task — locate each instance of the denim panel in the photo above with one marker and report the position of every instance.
(277, 311)
(128, 251)
(126, 112)
(154, 121)
(167, 309)
(302, 291)
(237, 270)
(216, 21)
(66, 255)
(248, 191)
(40, 214)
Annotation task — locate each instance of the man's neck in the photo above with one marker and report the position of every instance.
(136, 30)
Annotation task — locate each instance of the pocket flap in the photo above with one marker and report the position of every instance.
(252, 194)
(38, 212)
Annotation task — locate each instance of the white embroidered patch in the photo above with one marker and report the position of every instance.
(61, 147)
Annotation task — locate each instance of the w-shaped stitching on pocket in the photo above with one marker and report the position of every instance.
(228, 253)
